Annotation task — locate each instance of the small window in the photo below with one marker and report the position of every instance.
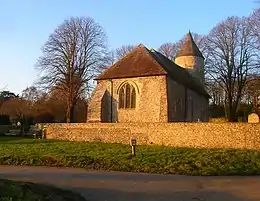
(127, 96)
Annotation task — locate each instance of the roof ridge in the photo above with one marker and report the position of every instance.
(150, 52)
(124, 57)
(112, 71)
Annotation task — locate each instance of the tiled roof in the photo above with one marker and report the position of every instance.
(142, 62)
(137, 63)
(189, 48)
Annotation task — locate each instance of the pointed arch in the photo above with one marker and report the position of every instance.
(131, 83)
(127, 95)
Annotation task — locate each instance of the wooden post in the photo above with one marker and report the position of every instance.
(133, 145)
(133, 150)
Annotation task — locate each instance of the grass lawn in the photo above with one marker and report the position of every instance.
(20, 191)
(154, 159)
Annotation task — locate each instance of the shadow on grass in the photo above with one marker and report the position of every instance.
(9, 138)
(36, 141)
(100, 194)
(24, 140)
(11, 190)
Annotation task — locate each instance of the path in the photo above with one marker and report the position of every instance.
(113, 186)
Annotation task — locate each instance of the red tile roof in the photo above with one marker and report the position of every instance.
(137, 63)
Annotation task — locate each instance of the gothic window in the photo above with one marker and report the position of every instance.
(127, 96)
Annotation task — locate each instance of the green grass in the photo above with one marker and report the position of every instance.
(25, 191)
(153, 159)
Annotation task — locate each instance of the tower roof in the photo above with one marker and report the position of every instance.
(189, 48)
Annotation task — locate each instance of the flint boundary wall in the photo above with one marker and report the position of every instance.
(197, 135)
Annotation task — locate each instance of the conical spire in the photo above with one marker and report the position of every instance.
(189, 47)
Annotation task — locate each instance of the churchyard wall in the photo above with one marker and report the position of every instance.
(197, 135)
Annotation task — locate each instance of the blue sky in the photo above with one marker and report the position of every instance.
(26, 24)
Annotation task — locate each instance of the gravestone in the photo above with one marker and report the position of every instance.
(253, 118)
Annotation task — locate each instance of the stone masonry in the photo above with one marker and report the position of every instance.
(194, 65)
(151, 100)
(196, 135)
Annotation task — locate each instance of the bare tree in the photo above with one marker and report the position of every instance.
(31, 94)
(70, 58)
(114, 55)
(216, 93)
(28, 98)
(255, 23)
(107, 61)
(231, 59)
(169, 50)
(123, 50)
(251, 92)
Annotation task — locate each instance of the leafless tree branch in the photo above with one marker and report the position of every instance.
(123, 50)
(232, 57)
(71, 57)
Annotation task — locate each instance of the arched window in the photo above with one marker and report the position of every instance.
(127, 96)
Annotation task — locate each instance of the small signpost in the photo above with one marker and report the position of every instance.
(133, 145)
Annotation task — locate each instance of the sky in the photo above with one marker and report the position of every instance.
(25, 26)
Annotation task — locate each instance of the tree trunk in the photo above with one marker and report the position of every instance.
(231, 113)
(70, 113)
(72, 108)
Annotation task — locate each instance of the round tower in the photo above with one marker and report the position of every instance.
(190, 58)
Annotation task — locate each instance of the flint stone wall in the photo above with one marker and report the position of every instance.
(197, 135)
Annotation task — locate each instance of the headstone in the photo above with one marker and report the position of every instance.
(253, 118)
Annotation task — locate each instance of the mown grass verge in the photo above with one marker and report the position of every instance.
(25, 191)
(151, 159)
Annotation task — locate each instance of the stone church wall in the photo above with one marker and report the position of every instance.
(193, 109)
(199, 135)
(176, 101)
(197, 107)
(151, 100)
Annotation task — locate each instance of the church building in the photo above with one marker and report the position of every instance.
(145, 86)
